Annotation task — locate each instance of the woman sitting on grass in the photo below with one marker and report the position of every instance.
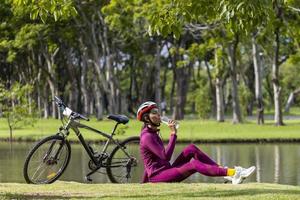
(157, 158)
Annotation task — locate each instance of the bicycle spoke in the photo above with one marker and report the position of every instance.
(47, 161)
(123, 165)
(41, 173)
(33, 176)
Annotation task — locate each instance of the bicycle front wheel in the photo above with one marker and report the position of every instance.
(124, 164)
(47, 160)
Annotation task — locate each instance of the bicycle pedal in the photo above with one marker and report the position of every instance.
(88, 179)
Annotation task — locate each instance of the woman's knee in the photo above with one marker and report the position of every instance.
(191, 148)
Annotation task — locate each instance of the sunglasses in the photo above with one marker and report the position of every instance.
(154, 111)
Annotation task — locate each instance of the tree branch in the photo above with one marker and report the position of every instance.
(294, 9)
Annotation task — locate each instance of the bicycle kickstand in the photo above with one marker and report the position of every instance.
(88, 176)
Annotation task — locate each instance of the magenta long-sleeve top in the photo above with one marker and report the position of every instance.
(155, 156)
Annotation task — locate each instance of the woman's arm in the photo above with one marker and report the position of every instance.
(171, 146)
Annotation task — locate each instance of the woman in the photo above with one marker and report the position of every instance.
(157, 158)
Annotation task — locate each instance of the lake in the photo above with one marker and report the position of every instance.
(275, 163)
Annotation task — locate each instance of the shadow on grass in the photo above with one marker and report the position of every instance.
(212, 194)
(27, 197)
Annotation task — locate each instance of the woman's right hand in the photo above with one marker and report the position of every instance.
(172, 126)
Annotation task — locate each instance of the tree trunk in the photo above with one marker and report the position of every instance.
(157, 73)
(103, 63)
(174, 80)
(258, 81)
(277, 98)
(39, 105)
(98, 102)
(110, 83)
(53, 94)
(73, 93)
(52, 81)
(278, 119)
(183, 75)
(133, 91)
(219, 100)
(212, 89)
(39, 100)
(232, 48)
(45, 102)
(83, 79)
(163, 85)
(92, 104)
(290, 100)
(30, 103)
(172, 94)
(146, 87)
(83, 87)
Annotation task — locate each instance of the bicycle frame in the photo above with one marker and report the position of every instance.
(75, 125)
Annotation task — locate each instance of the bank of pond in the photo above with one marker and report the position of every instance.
(275, 162)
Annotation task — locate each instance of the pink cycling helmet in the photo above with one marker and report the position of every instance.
(145, 108)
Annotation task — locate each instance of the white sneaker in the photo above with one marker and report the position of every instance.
(241, 173)
(227, 179)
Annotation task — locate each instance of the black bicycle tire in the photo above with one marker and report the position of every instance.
(108, 169)
(36, 147)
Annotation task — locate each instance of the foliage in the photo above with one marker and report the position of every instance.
(127, 32)
(58, 9)
(290, 77)
(28, 37)
(245, 97)
(203, 103)
(16, 107)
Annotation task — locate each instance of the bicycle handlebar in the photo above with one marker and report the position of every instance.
(77, 115)
(67, 111)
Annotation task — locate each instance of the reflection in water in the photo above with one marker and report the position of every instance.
(275, 163)
(219, 157)
(258, 168)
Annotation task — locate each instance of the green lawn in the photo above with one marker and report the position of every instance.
(72, 190)
(189, 130)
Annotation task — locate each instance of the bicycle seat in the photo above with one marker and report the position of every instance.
(119, 118)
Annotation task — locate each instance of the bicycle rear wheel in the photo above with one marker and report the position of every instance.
(47, 160)
(122, 168)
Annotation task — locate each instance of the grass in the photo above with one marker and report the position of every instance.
(189, 130)
(72, 190)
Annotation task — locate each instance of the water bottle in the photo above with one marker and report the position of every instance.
(166, 120)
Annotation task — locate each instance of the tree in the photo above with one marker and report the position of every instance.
(219, 79)
(109, 56)
(14, 105)
(257, 63)
(284, 40)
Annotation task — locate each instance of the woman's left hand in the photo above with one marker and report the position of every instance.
(172, 126)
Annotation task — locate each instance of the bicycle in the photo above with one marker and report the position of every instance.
(49, 157)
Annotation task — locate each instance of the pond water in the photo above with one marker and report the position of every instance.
(275, 163)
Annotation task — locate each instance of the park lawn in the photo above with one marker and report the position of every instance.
(189, 130)
(73, 190)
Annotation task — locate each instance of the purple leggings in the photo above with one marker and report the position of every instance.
(184, 166)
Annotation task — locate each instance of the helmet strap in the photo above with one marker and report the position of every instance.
(148, 121)
(153, 124)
